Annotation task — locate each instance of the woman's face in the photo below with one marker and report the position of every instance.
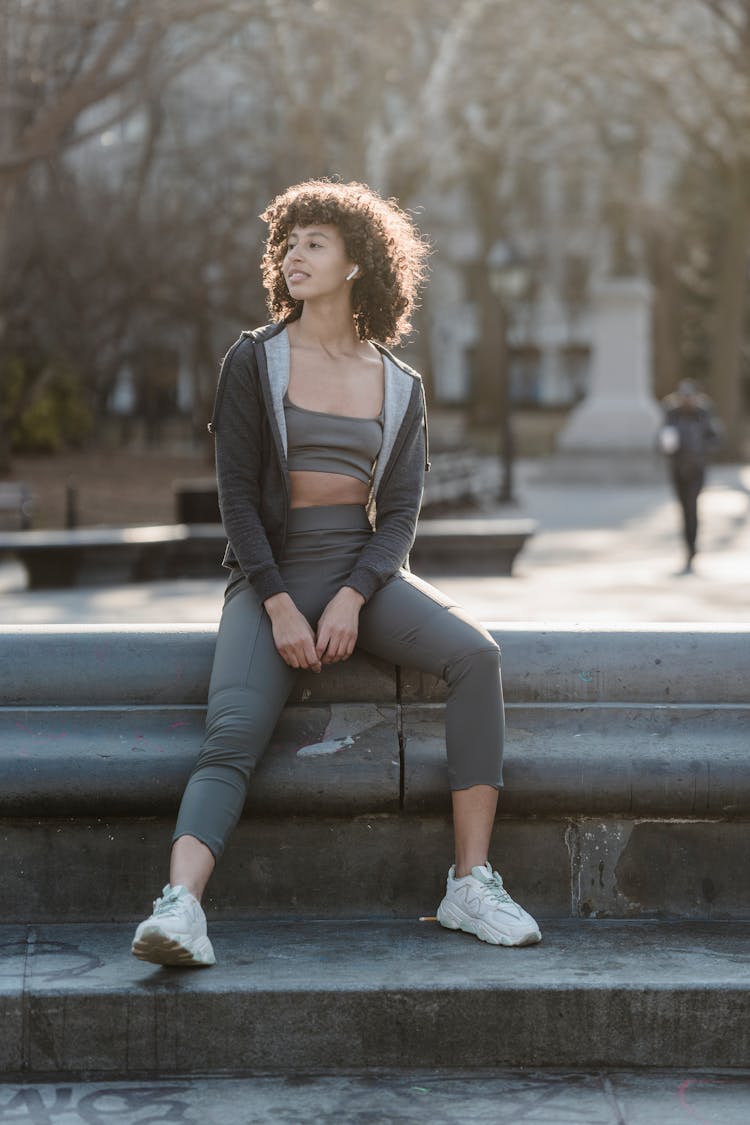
(316, 262)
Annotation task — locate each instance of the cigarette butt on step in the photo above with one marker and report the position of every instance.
(428, 918)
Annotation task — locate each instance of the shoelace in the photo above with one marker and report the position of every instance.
(495, 889)
(167, 905)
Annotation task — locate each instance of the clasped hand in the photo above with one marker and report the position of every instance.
(336, 635)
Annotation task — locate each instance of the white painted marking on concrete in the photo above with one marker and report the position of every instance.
(330, 746)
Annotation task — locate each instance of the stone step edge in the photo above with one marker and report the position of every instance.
(373, 993)
(541, 663)
(633, 761)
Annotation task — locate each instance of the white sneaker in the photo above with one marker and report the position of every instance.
(480, 905)
(175, 934)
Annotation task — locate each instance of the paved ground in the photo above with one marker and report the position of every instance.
(601, 555)
(438, 1097)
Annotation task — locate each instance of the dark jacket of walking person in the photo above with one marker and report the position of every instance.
(691, 433)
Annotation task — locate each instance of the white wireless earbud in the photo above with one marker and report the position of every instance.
(352, 273)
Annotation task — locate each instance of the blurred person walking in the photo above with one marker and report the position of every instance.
(690, 434)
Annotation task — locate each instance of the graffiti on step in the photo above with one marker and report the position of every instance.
(64, 1105)
(48, 960)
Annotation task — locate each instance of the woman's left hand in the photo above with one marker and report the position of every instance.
(338, 626)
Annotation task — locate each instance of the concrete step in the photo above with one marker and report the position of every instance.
(342, 996)
(627, 788)
(609, 811)
(109, 869)
(347, 759)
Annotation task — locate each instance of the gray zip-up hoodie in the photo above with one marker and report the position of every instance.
(253, 478)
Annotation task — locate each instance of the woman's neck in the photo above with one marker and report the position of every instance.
(330, 328)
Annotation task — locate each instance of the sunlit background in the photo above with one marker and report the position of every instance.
(560, 155)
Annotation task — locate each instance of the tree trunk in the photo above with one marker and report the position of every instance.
(729, 314)
(204, 376)
(488, 351)
(666, 332)
(6, 462)
(489, 373)
(6, 203)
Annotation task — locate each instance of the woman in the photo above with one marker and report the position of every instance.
(321, 449)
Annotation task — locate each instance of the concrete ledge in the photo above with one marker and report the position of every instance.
(108, 720)
(598, 760)
(347, 760)
(336, 760)
(90, 665)
(628, 790)
(639, 663)
(137, 664)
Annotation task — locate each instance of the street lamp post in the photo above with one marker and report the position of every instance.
(509, 280)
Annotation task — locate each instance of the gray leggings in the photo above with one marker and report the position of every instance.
(406, 622)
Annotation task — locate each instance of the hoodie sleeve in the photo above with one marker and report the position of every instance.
(238, 425)
(397, 507)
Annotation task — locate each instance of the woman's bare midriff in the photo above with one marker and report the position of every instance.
(314, 490)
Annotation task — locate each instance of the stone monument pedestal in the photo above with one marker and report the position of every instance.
(611, 436)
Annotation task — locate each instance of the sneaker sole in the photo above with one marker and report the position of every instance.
(156, 947)
(453, 919)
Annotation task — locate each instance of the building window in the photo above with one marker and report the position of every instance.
(525, 376)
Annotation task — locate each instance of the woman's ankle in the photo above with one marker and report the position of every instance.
(191, 865)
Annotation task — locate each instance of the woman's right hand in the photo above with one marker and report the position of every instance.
(292, 635)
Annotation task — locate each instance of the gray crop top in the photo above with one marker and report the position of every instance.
(332, 443)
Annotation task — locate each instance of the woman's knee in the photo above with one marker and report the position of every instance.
(239, 724)
(480, 660)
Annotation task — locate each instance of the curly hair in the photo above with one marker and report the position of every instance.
(378, 236)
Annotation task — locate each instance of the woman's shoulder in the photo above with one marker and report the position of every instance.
(243, 348)
(266, 331)
(250, 336)
(398, 364)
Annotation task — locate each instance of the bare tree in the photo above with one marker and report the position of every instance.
(501, 104)
(693, 60)
(70, 70)
(611, 87)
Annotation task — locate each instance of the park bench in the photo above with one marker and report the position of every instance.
(97, 556)
(471, 545)
(457, 482)
(624, 827)
(16, 502)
